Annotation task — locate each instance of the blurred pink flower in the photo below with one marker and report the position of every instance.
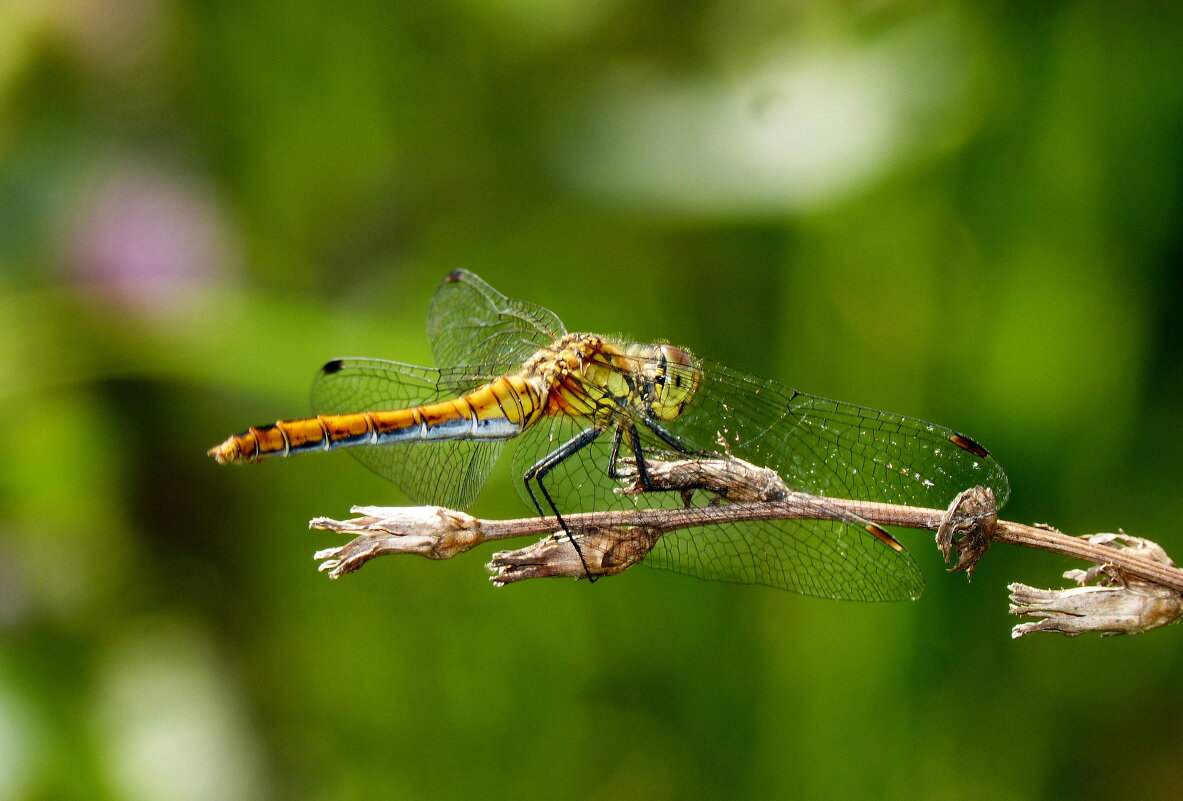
(146, 239)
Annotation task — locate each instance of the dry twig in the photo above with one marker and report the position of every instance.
(1135, 586)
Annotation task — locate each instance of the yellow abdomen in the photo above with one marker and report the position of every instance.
(501, 409)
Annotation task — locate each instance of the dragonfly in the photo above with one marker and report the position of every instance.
(575, 406)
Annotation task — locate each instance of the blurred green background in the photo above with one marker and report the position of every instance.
(962, 211)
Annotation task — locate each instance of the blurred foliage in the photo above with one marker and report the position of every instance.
(962, 211)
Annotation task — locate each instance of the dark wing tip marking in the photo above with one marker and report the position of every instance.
(455, 277)
(965, 443)
(882, 535)
(332, 367)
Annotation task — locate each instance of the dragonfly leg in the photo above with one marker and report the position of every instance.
(665, 436)
(643, 476)
(538, 471)
(634, 445)
(614, 457)
(687, 490)
(638, 453)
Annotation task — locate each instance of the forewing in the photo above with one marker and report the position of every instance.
(447, 473)
(471, 323)
(831, 448)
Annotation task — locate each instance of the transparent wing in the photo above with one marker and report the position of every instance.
(826, 448)
(442, 473)
(834, 559)
(831, 448)
(470, 322)
(819, 446)
(476, 334)
(822, 558)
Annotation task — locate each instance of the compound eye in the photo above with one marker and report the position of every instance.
(676, 380)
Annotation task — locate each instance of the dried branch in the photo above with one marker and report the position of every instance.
(1108, 599)
(1136, 588)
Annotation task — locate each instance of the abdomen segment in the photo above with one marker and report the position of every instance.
(499, 410)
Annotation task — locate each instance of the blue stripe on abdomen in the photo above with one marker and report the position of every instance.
(458, 428)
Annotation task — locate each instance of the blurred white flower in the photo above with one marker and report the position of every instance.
(796, 129)
(169, 725)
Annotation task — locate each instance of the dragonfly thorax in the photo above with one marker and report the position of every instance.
(590, 377)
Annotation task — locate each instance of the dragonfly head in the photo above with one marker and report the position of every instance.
(673, 378)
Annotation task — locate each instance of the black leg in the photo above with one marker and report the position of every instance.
(549, 462)
(638, 452)
(614, 457)
(635, 446)
(664, 436)
(668, 439)
(639, 455)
